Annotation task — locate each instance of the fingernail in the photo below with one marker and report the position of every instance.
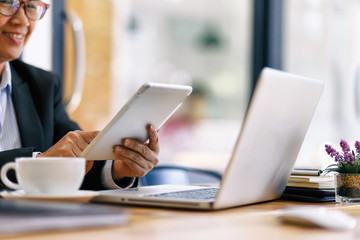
(117, 149)
(127, 143)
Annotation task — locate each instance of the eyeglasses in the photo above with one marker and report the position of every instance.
(34, 9)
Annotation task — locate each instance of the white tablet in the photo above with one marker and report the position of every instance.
(153, 104)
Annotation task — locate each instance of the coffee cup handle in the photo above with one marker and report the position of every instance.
(5, 179)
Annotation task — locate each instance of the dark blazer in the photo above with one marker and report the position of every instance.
(41, 116)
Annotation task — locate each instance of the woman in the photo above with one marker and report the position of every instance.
(33, 120)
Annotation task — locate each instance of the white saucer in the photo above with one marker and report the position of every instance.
(78, 196)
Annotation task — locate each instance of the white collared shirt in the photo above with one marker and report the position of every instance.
(9, 131)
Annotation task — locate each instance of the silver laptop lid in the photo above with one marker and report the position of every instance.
(273, 131)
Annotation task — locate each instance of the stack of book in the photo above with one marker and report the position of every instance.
(318, 182)
(310, 186)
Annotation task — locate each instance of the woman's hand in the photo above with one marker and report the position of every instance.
(135, 159)
(72, 145)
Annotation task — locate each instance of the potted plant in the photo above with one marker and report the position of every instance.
(347, 168)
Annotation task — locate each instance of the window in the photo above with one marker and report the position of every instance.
(203, 43)
(321, 40)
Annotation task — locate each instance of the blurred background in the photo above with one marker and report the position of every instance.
(105, 49)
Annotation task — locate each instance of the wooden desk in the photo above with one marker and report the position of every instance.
(248, 222)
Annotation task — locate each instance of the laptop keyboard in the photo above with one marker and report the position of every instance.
(204, 193)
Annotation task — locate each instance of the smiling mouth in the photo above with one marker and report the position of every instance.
(14, 35)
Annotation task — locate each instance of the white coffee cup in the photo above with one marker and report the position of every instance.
(50, 175)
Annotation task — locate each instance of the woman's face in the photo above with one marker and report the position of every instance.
(15, 31)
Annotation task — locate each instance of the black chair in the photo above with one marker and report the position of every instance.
(175, 174)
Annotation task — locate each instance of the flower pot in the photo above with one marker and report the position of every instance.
(347, 187)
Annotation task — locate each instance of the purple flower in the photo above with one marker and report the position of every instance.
(339, 158)
(345, 146)
(333, 153)
(348, 161)
(349, 158)
(330, 150)
(357, 146)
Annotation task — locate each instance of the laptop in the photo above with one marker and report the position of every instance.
(263, 157)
